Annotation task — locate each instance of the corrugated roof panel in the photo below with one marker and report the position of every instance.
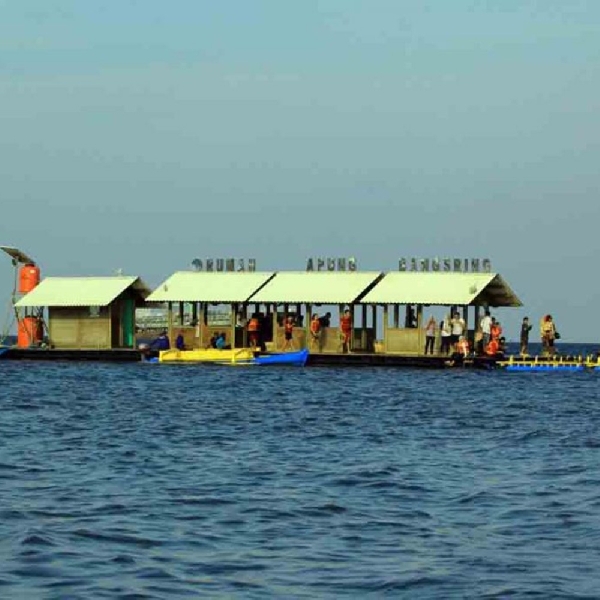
(498, 293)
(192, 286)
(318, 287)
(80, 291)
(440, 288)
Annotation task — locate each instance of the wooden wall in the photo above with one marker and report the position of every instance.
(73, 327)
(404, 341)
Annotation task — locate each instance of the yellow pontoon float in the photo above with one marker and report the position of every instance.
(550, 363)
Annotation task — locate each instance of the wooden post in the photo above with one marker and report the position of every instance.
(420, 326)
(233, 322)
(170, 320)
(307, 335)
(202, 322)
(363, 333)
(386, 323)
(274, 327)
(374, 314)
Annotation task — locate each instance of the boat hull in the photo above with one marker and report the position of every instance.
(240, 356)
(292, 359)
(210, 355)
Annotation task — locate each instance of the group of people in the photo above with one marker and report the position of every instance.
(452, 334)
(489, 340)
(318, 324)
(219, 341)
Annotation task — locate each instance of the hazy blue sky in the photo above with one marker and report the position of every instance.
(141, 134)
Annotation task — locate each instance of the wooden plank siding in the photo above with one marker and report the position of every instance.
(73, 327)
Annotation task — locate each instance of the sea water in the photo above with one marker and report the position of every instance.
(180, 481)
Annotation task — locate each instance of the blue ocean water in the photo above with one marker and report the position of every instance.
(173, 481)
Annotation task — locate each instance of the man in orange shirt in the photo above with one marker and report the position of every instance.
(346, 330)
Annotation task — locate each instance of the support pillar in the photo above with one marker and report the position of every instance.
(170, 320)
(420, 326)
(363, 331)
(202, 321)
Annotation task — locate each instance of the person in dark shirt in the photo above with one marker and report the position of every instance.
(325, 320)
(180, 342)
(161, 342)
(525, 329)
(212, 343)
(220, 341)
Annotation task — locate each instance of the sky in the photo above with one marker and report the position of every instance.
(139, 135)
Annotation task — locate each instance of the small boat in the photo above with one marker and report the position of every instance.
(237, 357)
(294, 359)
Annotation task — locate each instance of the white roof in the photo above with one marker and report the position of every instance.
(318, 287)
(80, 291)
(442, 288)
(226, 286)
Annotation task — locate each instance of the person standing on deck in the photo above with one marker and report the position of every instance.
(315, 332)
(548, 334)
(525, 329)
(346, 330)
(495, 330)
(458, 328)
(486, 326)
(430, 335)
(325, 320)
(445, 335)
(288, 333)
(253, 330)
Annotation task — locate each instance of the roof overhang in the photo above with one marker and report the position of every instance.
(227, 287)
(81, 291)
(442, 288)
(316, 287)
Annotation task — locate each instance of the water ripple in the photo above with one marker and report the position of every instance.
(130, 481)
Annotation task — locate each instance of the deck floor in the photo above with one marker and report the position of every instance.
(354, 359)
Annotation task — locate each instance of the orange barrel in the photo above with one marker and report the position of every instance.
(30, 332)
(29, 277)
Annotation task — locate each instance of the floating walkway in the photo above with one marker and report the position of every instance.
(550, 363)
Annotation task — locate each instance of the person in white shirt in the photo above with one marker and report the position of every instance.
(486, 324)
(458, 328)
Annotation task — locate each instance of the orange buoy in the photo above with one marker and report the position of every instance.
(30, 332)
(29, 278)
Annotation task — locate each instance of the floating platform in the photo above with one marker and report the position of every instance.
(436, 361)
(511, 364)
(54, 354)
(313, 359)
